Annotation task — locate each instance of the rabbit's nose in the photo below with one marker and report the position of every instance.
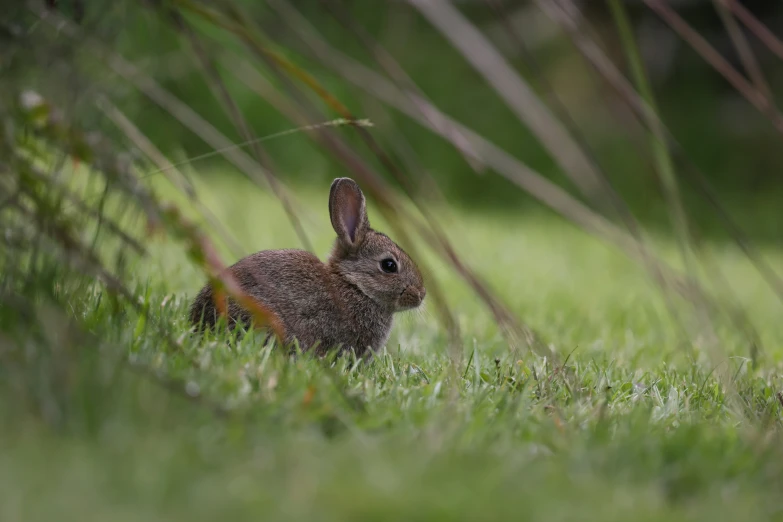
(418, 294)
(411, 297)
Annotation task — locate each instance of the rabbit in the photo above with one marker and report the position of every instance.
(347, 302)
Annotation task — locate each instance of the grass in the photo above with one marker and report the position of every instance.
(635, 425)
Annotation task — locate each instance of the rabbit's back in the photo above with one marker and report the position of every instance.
(292, 283)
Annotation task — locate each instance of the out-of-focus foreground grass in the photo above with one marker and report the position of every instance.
(634, 425)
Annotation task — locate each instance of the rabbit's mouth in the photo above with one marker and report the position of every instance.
(411, 297)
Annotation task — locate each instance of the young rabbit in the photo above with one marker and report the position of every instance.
(348, 301)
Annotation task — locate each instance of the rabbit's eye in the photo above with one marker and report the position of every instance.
(389, 266)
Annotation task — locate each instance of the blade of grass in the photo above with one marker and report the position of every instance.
(514, 91)
(222, 94)
(765, 105)
(761, 31)
(743, 48)
(657, 138)
(171, 172)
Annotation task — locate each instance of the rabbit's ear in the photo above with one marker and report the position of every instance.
(348, 212)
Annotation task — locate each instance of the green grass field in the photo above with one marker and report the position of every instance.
(636, 425)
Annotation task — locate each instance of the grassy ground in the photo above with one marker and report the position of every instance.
(635, 426)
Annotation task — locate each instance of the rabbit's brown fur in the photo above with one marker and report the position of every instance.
(348, 301)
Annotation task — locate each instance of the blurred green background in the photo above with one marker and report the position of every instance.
(722, 136)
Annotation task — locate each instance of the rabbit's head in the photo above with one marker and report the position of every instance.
(369, 259)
